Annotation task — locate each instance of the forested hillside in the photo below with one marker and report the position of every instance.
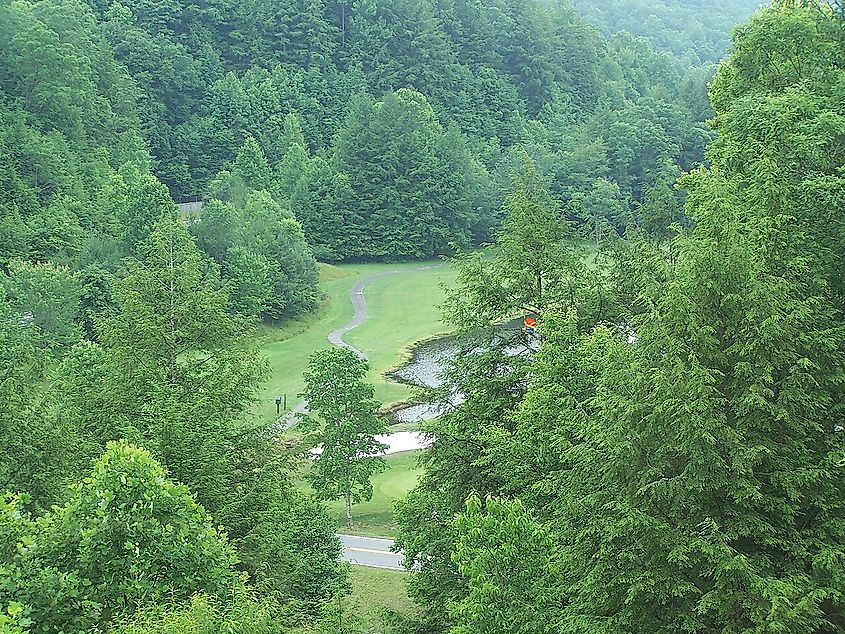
(659, 449)
(694, 31)
(671, 459)
(479, 79)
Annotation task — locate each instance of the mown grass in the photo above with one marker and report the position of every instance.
(375, 518)
(402, 309)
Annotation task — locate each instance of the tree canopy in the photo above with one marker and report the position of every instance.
(650, 308)
(677, 466)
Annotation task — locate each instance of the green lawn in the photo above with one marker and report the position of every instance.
(403, 309)
(375, 592)
(375, 518)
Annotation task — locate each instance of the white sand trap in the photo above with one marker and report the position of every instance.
(399, 442)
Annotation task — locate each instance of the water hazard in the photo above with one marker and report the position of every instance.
(426, 369)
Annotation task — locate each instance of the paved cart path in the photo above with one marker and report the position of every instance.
(360, 315)
(370, 551)
(359, 305)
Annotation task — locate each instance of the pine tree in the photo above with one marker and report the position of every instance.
(693, 479)
(178, 373)
(251, 165)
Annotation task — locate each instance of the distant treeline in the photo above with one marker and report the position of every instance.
(405, 113)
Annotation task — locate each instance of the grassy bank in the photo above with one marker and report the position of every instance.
(402, 310)
(374, 593)
(377, 596)
(375, 518)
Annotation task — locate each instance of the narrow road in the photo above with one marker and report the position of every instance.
(370, 551)
(361, 313)
(359, 305)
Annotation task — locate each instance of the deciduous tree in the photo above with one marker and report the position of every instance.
(346, 429)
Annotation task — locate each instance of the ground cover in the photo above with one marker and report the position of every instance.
(374, 593)
(402, 310)
(378, 596)
(375, 518)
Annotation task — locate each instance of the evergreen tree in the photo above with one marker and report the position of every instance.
(320, 204)
(534, 267)
(408, 184)
(690, 474)
(178, 373)
(251, 165)
(47, 300)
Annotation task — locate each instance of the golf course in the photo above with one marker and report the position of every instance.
(402, 310)
(375, 517)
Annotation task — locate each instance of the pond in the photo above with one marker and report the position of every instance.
(425, 369)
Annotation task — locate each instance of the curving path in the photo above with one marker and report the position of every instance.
(360, 315)
(359, 305)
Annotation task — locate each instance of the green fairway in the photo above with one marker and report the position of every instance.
(375, 518)
(402, 310)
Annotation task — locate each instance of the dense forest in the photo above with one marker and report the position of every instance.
(303, 96)
(665, 454)
(696, 32)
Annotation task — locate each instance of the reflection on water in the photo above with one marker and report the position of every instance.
(427, 411)
(426, 369)
(428, 362)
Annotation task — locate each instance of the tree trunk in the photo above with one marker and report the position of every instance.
(349, 509)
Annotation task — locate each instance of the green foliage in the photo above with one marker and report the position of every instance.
(250, 279)
(269, 267)
(534, 265)
(202, 615)
(175, 371)
(262, 89)
(128, 536)
(68, 119)
(47, 299)
(678, 26)
(512, 566)
(294, 554)
(21, 369)
(320, 201)
(40, 455)
(335, 390)
(534, 268)
(688, 476)
(413, 191)
(251, 165)
(141, 203)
